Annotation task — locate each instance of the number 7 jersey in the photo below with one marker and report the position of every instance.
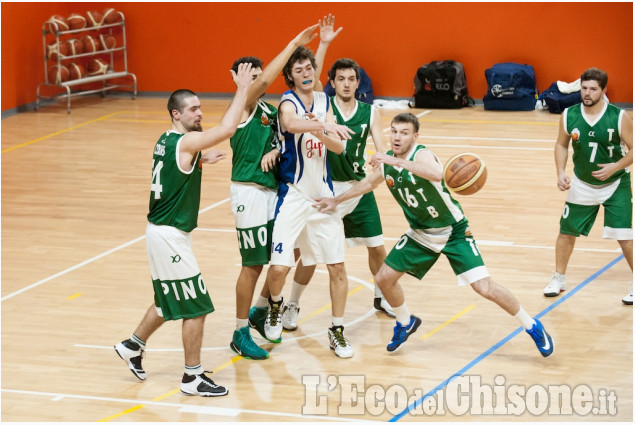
(426, 204)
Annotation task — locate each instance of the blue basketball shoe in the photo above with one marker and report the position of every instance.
(401, 333)
(541, 338)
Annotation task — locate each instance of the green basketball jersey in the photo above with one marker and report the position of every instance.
(175, 195)
(594, 143)
(253, 139)
(426, 204)
(349, 165)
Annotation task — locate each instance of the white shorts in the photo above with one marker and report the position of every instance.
(170, 253)
(346, 207)
(319, 236)
(253, 205)
(587, 194)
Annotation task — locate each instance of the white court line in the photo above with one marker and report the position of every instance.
(95, 258)
(220, 411)
(513, 245)
(499, 139)
(368, 314)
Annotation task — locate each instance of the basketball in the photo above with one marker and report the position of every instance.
(107, 41)
(465, 173)
(58, 74)
(58, 20)
(95, 18)
(77, 71)
(96, 67)
(74, 46)
(111, 16)
(90, 44)
(53, 50)
(76, 21)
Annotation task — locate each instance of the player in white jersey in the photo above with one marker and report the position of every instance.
(307, 130)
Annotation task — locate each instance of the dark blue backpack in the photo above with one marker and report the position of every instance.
(510, 87)
(364, 92)
(557, 101)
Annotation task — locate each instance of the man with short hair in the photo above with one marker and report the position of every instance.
(360, 215)
(414, 176)
(254, 192)
(307, 130)
(179, 289)
(600, 133)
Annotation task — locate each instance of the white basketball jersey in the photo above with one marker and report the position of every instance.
(303, 160)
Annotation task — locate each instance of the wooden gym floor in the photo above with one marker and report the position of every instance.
(75, 281)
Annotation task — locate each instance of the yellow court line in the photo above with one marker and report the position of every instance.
(39, 139)
(327, 306)
(125, 412)
(447, 322)
(74, 296)
(489, 122)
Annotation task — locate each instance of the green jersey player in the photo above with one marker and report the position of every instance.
(438, 226)
(600, 133)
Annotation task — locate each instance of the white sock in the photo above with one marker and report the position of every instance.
(241, 323)
(261, 302)
(402, 313)
(337, 321)
(193, 370)
(139, 341)
(378, 293)
(275, 298)
(525, 319)
(296, 292)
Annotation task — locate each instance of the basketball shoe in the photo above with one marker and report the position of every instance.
(339, 344)
(381, 304)
(244, 345)
(290, 316)
(541, 338)
(628, 299)
(401, 333)
(273, 324)
(201, 385)
(131, 353)
(556, 286)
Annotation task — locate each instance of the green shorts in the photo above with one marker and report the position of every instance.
(364, 223)
(417, 251)
(583, 204)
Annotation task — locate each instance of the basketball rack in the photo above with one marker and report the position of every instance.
(116, 58)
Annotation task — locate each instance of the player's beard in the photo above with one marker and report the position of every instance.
(195, 127)
(589, 103)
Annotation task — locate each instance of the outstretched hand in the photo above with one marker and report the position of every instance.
(306, 36)
(242, 78)
(343, 132)
(212, 156)
(327, 25)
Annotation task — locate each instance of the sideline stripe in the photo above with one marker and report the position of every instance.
(503, 341)
(74, 296)
(66, 130)
(447, 322)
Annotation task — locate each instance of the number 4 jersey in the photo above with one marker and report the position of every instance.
(426, 204)
(175, 195)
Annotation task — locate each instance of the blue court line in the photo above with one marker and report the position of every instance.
(502, 342)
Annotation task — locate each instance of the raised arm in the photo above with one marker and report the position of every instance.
(196, 141)
(274, 68)
(377, 133)
(290, 122)
(327, 35)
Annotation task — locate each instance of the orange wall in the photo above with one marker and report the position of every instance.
(174, 45)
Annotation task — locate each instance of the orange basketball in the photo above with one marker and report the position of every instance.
(58, 74)
(107, 41)
(90, 44)
(76, 21)
(111, 16)
(465, 173)
(56, 23)
(53, 50)
(77, 71)
(95, 18)
(96, 67)
(74, 46)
